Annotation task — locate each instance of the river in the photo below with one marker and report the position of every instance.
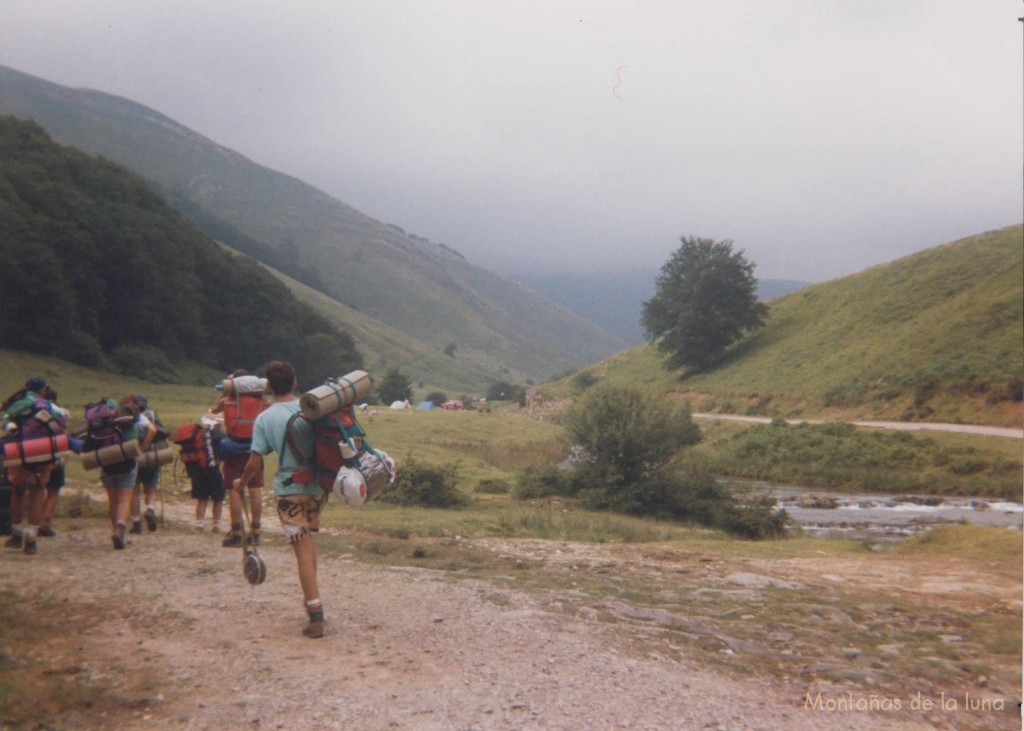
(887, 518)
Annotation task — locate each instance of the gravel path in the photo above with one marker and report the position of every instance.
(186, 643)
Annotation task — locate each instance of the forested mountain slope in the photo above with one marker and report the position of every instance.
(427, 291)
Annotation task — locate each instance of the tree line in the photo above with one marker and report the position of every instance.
(99, 270)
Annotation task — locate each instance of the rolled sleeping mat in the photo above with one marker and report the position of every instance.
(36, 451)
(243, 385)
(335, 394)
(156, 456)
(110, 455)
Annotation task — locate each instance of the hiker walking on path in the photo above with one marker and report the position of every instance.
(298, 503)
(28, 419)
(240, 409)
(205, 475)
(114, 424)
(147, 481)
(57, 477)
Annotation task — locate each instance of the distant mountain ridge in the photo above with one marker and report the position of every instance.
(430, 294)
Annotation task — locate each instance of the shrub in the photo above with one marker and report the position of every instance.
(493, 487)
(420, 485)
(436, 397)
(144, 362)
(626, 434)
(582, 381)
(540, 482)
(81, 348)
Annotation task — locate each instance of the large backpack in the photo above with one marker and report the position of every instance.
(103, 424)
(36, 432)
(245, 402)
(340, 447)
(196, 445)
(106, 423)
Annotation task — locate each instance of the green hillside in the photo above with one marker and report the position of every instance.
(384, 347)
(99, 271)
(426, 291)
(936, 336)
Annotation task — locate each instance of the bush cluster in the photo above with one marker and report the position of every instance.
(420, 485)
(626, 441)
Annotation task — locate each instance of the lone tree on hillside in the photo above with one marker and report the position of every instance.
(706, 299)
(394, 387)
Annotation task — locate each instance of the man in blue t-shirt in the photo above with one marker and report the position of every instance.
(299, 498)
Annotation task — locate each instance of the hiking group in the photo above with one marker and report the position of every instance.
(319, 448)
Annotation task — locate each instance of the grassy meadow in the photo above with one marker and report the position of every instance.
(490, 447)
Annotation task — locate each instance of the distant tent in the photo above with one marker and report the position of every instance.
(400, 404)
(426, 406)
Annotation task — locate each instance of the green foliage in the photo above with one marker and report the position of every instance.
(323, 355)
(436, 397)
(626, 441)
(582, 381)
(839, 455)
(401, 299)
(394, 387)
(144, 362)
(93, 258)
(449, 350)
(693, 495)
(540, 482)
(706, 300)
(420, 485)
(505, 391)
(493, 487)
(626, 434)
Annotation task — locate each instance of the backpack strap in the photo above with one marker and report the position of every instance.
(308, 473)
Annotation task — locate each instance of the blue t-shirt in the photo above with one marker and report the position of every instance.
(268, 436)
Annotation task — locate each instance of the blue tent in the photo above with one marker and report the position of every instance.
(426, 406)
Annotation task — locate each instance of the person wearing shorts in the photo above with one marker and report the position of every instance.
(29, 481)
(299, 501)
(118, 478)
(147, 482)
(233, 467)
(207, 485)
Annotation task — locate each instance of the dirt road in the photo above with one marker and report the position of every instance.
(992, 431)
(168, 634)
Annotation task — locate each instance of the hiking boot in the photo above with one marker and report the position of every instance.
(253, 539)
(232, 540)
(30, 548)
(316, 628)
(151, 520)
(136, 528)
(13, 542)
(46, 532)
(118, 538)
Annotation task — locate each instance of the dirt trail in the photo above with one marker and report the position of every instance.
(992, 431)
(184, 642)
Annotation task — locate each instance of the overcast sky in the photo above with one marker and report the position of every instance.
(821, 136)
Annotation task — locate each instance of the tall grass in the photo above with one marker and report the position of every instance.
(839, 455)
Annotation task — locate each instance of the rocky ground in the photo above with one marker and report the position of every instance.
(499, 634)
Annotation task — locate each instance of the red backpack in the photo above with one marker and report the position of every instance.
(240, 414)
(244, 402)
(195, 443)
